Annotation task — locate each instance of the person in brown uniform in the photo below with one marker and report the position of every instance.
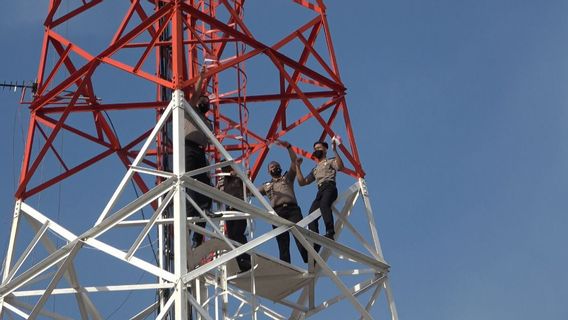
(233, 185)
(280, 192)
(324, 174)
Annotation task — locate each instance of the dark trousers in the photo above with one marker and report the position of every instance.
(327, 194)
(236, 231)
(195, 159)
(294, 214)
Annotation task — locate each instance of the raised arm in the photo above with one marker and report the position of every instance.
(198, 89)
(291, 154)
(338, 160)
(261, 190)
(301, 180)
(221, 184)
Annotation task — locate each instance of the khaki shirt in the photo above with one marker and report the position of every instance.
(192, 131)
(325, 170)
(232, 185)
(280, 190)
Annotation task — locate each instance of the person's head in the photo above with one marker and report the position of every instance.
(320, 150)
(203, 104)
(274, 169)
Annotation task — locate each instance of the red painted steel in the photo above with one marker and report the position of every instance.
(193, 31)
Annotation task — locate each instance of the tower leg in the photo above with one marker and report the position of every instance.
(374, 233)
(10, 252)
(390, 300)
(370, 216)
(180, 216)
(12, 241)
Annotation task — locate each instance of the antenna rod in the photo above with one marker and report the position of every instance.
(16, 85)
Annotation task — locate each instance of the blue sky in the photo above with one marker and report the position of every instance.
(460, 113)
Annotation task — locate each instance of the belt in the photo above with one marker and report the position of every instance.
(326, 183)
(285, 205)
(194, 145)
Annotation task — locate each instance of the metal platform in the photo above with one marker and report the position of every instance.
(274, 279)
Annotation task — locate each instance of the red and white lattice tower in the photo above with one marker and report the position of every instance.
(125, 98)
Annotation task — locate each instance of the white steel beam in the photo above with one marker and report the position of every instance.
(236, 203)
(234, 253)
(16, 310)
(323, 265)
(35, 270)
(70, 237)
(56, 278)
(202, 312)
(135, 163)
(240, 173)
(180, 294)
(345, 251)
(239, 295)
(390, 300)
(374, 297)
(165, 202)
(350, 196)
(11, 242)
(146, 312)
(26, 253)
(370, 216)
(164, 311)
(99, 289)
(356, 290)
(153, 172)
(359, 237)
(45, 313)
(83, 300)
(218, 232)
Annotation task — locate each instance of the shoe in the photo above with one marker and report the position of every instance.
(195, 244)
(213, 214)
(317, 247)
(244, 265)
(330, 235)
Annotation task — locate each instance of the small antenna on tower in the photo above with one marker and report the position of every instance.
(14, 85)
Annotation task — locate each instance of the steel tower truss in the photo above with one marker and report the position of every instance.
(162, 45)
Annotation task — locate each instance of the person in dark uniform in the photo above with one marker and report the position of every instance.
(280, 192)
(233, 185)
(196, 143)
(324, 174)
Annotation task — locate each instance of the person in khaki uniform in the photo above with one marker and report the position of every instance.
(324, 175)
(280, 192)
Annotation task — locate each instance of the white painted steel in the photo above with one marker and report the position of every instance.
(172, 191)
(136, 162)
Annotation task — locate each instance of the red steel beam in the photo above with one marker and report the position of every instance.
(186, 43)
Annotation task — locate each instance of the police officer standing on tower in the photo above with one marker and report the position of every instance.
(324, 174)
(280, 192)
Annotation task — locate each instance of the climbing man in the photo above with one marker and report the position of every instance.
(234, 186)
(196, 142)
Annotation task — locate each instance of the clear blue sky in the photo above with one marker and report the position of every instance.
(460, 110)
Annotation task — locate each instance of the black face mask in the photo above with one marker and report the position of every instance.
(203, 107)
(318, 154)
(276, 172)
